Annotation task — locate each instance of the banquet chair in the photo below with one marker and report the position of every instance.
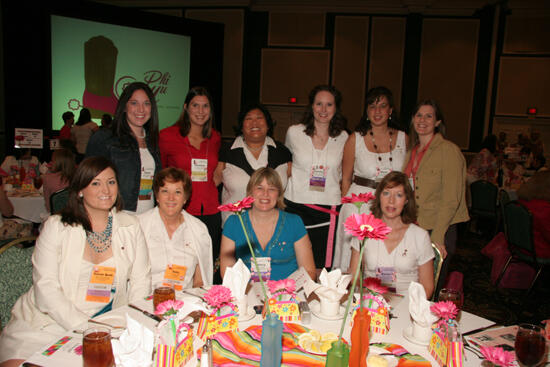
(484, 202)
(16, 274)
(58, 200)
(519, 235)
(438, 263)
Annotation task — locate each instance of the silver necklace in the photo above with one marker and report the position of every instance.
(103, 239)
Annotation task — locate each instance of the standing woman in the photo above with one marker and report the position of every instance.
(313, 191)
(82, 131)
(131, 143)
(437, 172)
(192, 144)
(376, 148)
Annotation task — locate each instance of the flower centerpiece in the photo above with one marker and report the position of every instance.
(377, 307)
(174, 338)
(445, 343)
(223, 315)
(498, 356)
(283, 299)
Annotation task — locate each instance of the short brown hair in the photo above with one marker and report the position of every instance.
(272, 178)
(391, 180)
(173, 175)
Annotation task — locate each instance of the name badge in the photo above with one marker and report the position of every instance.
(264, 265)
(382, 173)
(318, 178)
(411, 182)
(199, 169)
(174, 275)
(101, 283)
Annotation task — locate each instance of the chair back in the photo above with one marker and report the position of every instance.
(503, 199)
(519, 233)
(438, 263)
(15, 275)
(484, 198)
(58, 200)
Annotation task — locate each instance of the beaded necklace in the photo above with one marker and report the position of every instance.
(103, 238)
(378, 169)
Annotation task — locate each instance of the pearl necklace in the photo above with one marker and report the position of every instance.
(103, 238)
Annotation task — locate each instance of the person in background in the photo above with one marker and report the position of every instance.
(376, 148)
(406, 255)
(22, 158)
(178, 243)
(131, 143)
(437, 170)
(6, 207)
(61, 172)
(88, 237)
(82, 131)
(484, 165)
(106, 121)
(192, 144)
(68, 121)
(252, 149)
(313, 191)
(280, 240)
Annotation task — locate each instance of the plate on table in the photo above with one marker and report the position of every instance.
(250, 314)
(391, 359)
(111, 319)
(315, 307)
(408, 334)
(316, 343)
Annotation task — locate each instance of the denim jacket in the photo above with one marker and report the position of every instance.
(124, 153)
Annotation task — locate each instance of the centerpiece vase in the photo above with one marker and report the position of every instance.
(360, 338)
(338, 355)
(272, 336)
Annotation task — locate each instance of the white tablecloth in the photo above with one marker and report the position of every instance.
(31, 208)
(66, 356)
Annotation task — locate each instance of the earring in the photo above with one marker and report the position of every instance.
(80, 195)
(390, 118)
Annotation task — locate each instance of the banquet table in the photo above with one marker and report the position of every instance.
(29, 207)
(66, 355)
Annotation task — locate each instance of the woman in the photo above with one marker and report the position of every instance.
(131, 143)
(406, 255)
(90, 236)
(317, 146)
(376, 148)
(437, 171)
(82, 131)
(193, 145)
(484, 165)
(180, 248)
(61, 173)
(279, 239)
(254, 148)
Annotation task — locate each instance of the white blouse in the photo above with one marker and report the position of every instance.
(304, 157)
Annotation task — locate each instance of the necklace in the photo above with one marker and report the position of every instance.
(376, 147)
(103, 238)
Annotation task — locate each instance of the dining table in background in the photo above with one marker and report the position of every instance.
(28, 205)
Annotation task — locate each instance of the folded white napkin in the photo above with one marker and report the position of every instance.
(236, 278)
(135, 346)
(332, 285)
(419, 306)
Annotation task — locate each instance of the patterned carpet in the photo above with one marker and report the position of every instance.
(503, 306)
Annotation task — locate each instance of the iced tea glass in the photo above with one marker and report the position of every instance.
(163, 293)
(96, 348)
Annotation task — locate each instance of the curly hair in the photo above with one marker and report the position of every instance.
(338, 122)
(373, 96)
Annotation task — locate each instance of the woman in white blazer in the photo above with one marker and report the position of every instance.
(88, 240)
(180, 247)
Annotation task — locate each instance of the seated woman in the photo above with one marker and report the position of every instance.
(406, 255)
(279, 239)
(484, 165)
(179, 243)
(90, 236)
(61, 173)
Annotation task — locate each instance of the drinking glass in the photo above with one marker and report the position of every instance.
(452, 295)
(96, 348)
(530, 345)
(163, 293)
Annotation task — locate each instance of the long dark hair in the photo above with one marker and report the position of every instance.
(413, 136)
(64, 163)
(120, 126)
(183, 121)
(75, 213)
(391, 180)
(338, 122)
(84, 117)
(373, 96)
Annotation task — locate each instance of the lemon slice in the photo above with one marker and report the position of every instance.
(315, 334)
(316, 347)
(329, 336)
(326, 346)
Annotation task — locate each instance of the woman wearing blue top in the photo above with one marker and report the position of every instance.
(279, 239)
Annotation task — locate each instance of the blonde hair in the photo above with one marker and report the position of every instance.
(272, 178)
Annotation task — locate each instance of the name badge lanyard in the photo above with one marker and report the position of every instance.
(317, 182)
(198, 173)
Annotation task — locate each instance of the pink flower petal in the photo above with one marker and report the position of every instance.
(237, 206)
(498, 356)
(366, 226)
(445, 309)
(217, 296)
(375, 285)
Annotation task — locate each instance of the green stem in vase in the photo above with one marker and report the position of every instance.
(350, 297)
(255, 261)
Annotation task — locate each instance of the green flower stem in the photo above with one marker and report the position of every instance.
(350, 297)
(173, 324)
(255, 261)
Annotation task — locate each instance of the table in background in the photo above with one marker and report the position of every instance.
(31, 208)
(63, 357)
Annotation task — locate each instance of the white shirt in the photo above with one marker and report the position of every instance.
(304, 155)
(147, 174)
